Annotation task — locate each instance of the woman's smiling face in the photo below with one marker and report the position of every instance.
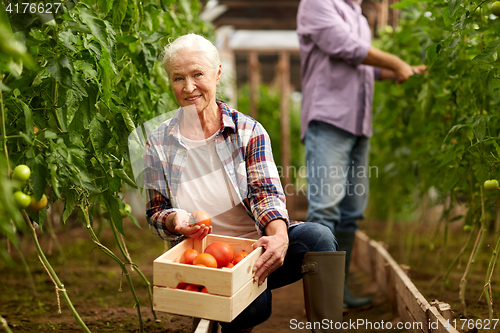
(194, 80)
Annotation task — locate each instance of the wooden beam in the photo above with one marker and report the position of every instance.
(258, 24)
(254, 76)
(419, 315)
(284, 84)
(383, 14)
(267, 51)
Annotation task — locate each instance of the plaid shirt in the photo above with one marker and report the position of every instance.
(244, 149)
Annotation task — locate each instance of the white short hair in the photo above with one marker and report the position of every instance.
(191, 42)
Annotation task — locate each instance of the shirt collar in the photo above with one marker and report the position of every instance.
(226, 120)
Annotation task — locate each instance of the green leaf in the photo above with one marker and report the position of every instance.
(39, 177)
(61, 69)
(69, 204)
(497, 147)
(99, 136)
(446, 17)
(114, 184)
(68, 39)
(107, 75)
(488, 51)
(135, 221)
(124, 176)
(119, 12)
(105, 6)
(98, 28)
(448, 157)
(480, 171)
(28, 117)
(453, 5)
(113, 207)
(128, 120)
(452, 178)
(480, 128)
(470, 134)
(433, 52)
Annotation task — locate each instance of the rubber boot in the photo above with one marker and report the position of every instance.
(323, 280)
(345, 241)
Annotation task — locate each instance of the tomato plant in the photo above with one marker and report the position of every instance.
(200, 217)
(70, 94)
(222, 252)
(441, 136)
(188, 256)
(205, 259)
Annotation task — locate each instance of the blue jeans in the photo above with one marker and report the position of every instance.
(337, 176)
(302, 238)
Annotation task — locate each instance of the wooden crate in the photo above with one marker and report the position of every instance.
(231, 289)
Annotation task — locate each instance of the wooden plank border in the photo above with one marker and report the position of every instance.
(411, 306)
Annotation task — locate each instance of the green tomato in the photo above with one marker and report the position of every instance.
(21, 173)
(467, 228)
(495, 8)
(22, 200)
(126, 209)
(491, 185)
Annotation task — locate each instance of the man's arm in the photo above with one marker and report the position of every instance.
(392, 66)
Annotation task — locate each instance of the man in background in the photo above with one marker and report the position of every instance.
(339, 67)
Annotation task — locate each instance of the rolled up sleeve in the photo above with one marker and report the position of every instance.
(158, 204)
(266, 196)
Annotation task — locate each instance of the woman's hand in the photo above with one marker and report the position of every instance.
(275, 246)
(181, 223)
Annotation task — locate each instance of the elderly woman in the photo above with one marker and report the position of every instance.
(210, 157)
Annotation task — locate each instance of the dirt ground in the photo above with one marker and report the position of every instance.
(92, 281)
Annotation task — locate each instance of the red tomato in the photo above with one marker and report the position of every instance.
(199, 217)
(222, 252)
(192, 287)
(230, 265)
(239, 257)
(182, 285)
(205, 259)
(188, 256)
(204, 290)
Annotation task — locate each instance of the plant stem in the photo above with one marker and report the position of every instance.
(487, 284)
(457, 258)
(5, 325)
(52, 273)
(472, 259)
(122, 265)
(3, 116)
(121, 246)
